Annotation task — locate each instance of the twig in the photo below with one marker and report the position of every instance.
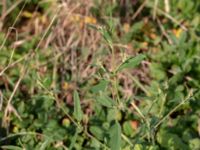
(164, 32)
(47, 30)
(139, 10)
(172, 19)
(138, 110)
(13, 64)
(13, 25)
(174, 109)
(144, 119)
(10, 9)
(127, 139)
(139, 84)
(22, 72)
(54, 97)
(167, 7)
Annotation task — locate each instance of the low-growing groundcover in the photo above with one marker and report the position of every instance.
(100, 74)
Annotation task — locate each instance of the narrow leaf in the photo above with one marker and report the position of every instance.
(11, 147)
(101, 86)
(131, 62)
(106, 35)
(78, 114)
(45, 144)
(105, 101)
(115, 134)
(97, 131)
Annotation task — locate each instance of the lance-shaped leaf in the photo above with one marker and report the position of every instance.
(101, 86)
(115, 135)
(131, 62)
(78, 114)
(105, 100)
(11, 147)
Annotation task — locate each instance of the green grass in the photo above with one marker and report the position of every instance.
(100, 75)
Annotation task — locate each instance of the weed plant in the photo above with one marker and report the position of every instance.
(95, 74)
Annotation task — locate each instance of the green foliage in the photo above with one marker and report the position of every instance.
(10, 147)
(131, 62)
(78, 114)
(122, 104)
(115, 135)
(101, 86)
(105, 100)
(170, 141)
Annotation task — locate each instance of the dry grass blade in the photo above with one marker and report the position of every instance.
(23, 71)
(138, 110)
(13, 25)
(172, 19)
(9, 107)
(164, 32)
(167, 6)
(6, 12)
(10, 65)
(48, 28)
(139, 10)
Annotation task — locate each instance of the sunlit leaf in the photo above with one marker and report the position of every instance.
(11, 147)
(100, 86)
(131, 62)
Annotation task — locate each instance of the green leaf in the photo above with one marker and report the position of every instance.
(138, 147)
(128, 130)
(11, 147)
(105, 101)
(106, 35)
(131, 62)
(47, 102)
(157, 71)
(101, 86)
(170, 140)
(73, 140)
(153, 147)
(98, 132)
(115, 134)
(194, 144)
(182, 38)
(78, 114)
(113, 114)
(45, 144)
